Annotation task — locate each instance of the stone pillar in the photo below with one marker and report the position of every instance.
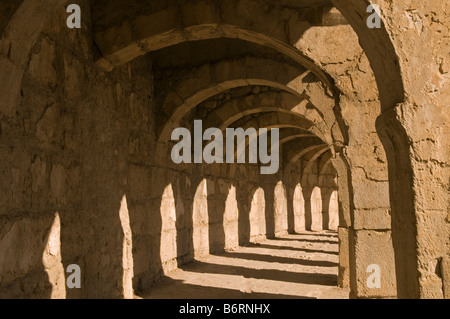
(200, 218)
(280, 210)
(445, 271)
(231, 220)
(217, 196)
(371, 237)
(326, 197)
(307, 191)
(299, 209)
(257, 216)
(341, 167)
(333, 211)
(419, 200)
(316, 209)
(344, 258)
(365, 227)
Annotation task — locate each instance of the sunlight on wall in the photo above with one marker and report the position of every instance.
(168, 212)
(200, 232)
(230, 220)
(299, 209)
(280, 207)
(127, 252)
(51, 259)
(334, 211)
(316, 210)
(257, 217)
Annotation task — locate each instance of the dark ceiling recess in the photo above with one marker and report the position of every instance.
(7, 10)
(196, 53)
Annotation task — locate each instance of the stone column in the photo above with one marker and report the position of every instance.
(415, 142)
(339, 163)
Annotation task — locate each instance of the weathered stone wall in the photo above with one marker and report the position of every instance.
(67, 148)
(365, 162)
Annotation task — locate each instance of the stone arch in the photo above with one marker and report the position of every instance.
(315, 149)
(276, 119)
(290, 137)
(291, 133)
(315, 155)
(232, 111)
(379, 49)
(213, 79)
(301, 120)
(309, 141)
(17, 39)
(325, 166)
(121, 40)
(19, 34)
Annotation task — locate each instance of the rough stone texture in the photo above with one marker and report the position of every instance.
(280, 210)
(381, 254)
(299, 209)
(86, 117)
(409, 98)
(257, 217)
(445, 273)
(344, 258)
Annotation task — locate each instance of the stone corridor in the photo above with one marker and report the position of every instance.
(107, 186)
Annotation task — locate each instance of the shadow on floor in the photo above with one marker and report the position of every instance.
(275, 275)
(169, 288)
(305, 240)
(282, 260)
(266, 274)
(307, 250)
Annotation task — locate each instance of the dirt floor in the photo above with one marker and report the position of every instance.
(294, 266)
